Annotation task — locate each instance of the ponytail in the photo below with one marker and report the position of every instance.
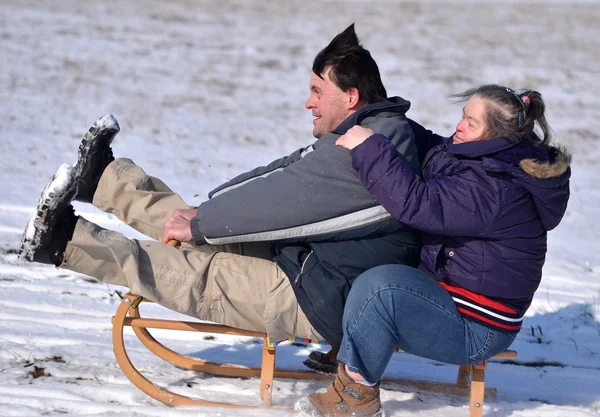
(534, 112)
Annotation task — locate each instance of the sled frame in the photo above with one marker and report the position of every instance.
(470, 380)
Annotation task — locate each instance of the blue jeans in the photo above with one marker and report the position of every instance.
(393, 306)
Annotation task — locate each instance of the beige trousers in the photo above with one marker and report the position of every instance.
(235, 285)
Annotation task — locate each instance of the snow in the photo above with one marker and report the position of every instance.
(60, 181)
(30, 229)
(107, 121)
(59, 186)
(206, 90)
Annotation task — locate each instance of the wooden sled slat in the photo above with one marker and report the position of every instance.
(141, 325)
(470, 380)
(187, 326)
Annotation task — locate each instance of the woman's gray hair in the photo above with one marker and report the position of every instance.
(510, 114)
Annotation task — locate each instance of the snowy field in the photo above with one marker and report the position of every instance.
(204, 90)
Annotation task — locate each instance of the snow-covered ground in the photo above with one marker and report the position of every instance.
(204, 90)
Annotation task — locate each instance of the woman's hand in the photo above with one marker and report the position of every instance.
(354, 137)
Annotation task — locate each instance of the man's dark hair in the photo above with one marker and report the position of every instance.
(351, 66)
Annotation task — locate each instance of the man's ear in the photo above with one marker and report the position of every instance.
(354, 101)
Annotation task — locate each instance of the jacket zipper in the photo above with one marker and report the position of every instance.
(302, 268)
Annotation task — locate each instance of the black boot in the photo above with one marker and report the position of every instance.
(94, 156)
(325, 363)
(52, 226)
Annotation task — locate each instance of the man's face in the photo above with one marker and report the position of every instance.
(329, 104)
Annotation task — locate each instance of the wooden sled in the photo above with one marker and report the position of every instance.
(470, 380)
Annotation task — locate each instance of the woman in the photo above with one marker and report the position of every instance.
(487, 198)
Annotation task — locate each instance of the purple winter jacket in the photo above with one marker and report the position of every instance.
(484, 209)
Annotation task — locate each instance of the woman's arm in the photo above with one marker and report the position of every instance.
(464, 204)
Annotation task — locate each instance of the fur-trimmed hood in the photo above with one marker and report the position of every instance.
(544, 171)
(546, 177)
(558, 163)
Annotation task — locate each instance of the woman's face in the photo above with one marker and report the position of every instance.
(472, 125)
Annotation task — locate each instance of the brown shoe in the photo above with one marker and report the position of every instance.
(324, 363)
(344, 397)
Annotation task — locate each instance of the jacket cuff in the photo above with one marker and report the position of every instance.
(197, 235)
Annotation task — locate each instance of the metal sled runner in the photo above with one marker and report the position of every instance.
(470, 380)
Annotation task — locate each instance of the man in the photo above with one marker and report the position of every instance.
(275, 249)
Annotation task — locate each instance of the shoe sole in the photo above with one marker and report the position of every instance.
(101, 133)
(55, 198)
(320, 367)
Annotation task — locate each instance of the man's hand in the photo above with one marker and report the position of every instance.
(187, 214)
(354, 137)
(178, 226)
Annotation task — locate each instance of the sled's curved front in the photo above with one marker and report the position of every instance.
(128, 305)
(140, 325)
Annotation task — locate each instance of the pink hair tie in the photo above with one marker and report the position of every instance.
(526, 100)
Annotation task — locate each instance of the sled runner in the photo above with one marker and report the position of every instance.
(470, 380)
